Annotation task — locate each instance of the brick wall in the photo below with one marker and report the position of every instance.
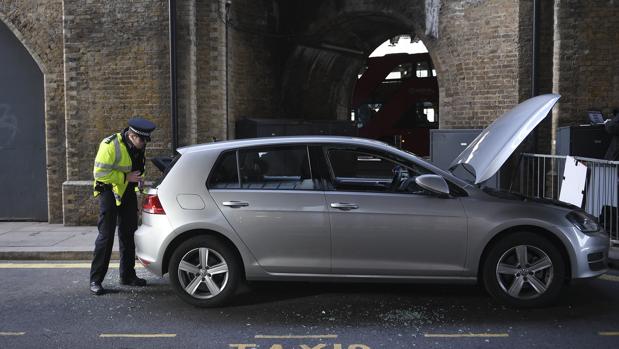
(187, 79)
(112, 63)
(211, 71)
(477, 60)
(545, 136)
(254, 61)
(586, 58)
(477, 55)
(116, 66)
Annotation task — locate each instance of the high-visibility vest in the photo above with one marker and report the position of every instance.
(112, 164)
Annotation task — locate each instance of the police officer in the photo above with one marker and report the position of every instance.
(119, 173)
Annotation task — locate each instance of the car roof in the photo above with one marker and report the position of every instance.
(239, 143)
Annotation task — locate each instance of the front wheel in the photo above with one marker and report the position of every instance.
(524, 270)
(204, 271)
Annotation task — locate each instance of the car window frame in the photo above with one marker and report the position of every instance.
(318, 182)
(455, 190)
(217, 163)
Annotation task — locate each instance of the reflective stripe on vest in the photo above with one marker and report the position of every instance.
(102, 168)
(117, 158)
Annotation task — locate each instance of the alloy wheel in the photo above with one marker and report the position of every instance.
(203, 273)
(524, 272)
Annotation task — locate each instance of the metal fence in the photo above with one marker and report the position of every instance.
(542, 176)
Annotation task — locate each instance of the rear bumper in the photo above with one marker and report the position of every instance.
(149, 241)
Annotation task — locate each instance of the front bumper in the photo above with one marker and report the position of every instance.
(591, 254)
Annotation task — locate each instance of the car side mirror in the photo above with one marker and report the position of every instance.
(433, 183)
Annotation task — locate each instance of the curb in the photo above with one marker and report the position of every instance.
(87, 255)
(613, 262)
(51, 255)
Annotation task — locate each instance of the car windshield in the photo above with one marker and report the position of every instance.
(463, 173)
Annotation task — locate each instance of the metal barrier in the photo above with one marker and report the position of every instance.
(542, 176)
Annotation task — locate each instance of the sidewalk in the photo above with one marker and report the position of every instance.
(44, 241)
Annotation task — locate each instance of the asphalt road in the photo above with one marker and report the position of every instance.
(52, 308)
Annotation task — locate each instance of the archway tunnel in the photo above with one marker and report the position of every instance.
(320, 54)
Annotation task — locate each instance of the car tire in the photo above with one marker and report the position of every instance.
(210, 286)
(537, 283)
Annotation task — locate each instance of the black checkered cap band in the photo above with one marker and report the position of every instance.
(141, 133)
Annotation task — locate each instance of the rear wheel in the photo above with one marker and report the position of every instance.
(524, 270)
(204, 271)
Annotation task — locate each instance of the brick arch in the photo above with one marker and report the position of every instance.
(320, 74)
(25, 43)
(38, 27)
(477, 56)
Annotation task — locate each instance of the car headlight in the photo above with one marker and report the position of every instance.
(583, 221)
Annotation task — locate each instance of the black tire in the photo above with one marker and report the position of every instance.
(498, 282)
(218, 252)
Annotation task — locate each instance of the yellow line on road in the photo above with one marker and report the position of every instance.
(608, 277)
(608, 333)
(327, 336)
(137, 335)
(54, 265)
(465, 335)
(12, 333)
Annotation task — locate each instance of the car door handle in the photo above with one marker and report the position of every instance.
(344, 206)
(235, 204)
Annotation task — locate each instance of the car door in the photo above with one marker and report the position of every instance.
(270, 198)
(380, 227)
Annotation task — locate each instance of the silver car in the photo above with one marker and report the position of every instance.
(338, 208)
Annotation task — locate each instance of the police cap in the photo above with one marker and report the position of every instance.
(141, 127)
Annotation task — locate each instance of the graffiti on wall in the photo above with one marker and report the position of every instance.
(8, 126)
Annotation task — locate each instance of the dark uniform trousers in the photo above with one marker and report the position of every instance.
(110, 215)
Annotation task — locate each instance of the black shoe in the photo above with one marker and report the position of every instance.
(134, 281)
(96, 288)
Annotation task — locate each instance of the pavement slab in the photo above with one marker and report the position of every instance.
(44, 241)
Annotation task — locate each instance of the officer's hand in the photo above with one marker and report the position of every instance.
(134, 177)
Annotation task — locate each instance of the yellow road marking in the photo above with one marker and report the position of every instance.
(328, 336)
(465, 335)
(608, 277)
(12, 333)
(55, 265)
(608, 333)
(137, 335)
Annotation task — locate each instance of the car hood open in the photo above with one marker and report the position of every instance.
(489, 151)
